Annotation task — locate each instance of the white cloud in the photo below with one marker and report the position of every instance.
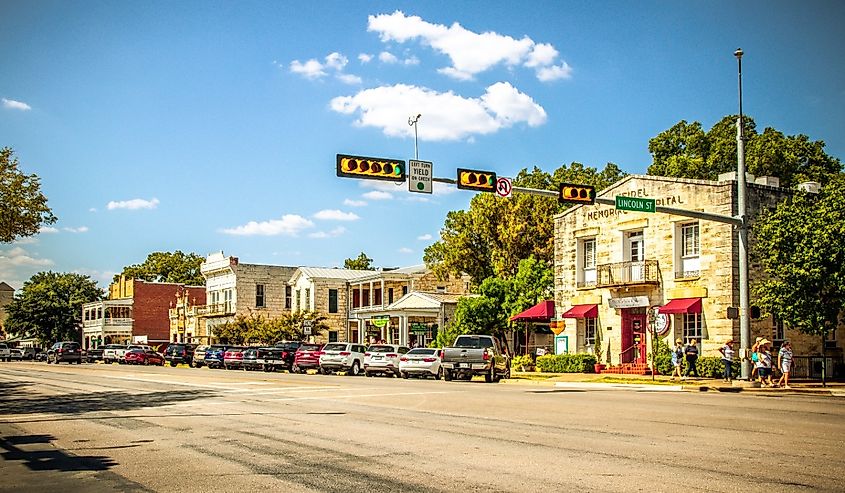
(11, 104)
(469, 52)
(445, 115)
(133, 204)
(349, 79)
(17, 265)
(48, 230)
(93, 209)
(103, 277)
(18, 257)
(328, 234)
(81, 229)
(405, 250)
(336, 61)
(311, 69)
(387, 57)
(365, 57)
(288, 225)
(424, 237)
(411, 61)
(314, 69)
(555, 72)
(336, 215)
(378, 195)
(354, 203)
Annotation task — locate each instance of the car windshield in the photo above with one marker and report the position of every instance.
(381, 349)
(335, 347)
(474, 342)
(137, 351)
(309, 347)
(423, 351)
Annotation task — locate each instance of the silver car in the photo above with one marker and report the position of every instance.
(421, 362)
(342, 356)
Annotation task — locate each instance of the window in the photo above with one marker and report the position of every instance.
(389, 295)
(299, 300)
(590, 331)
(259, 296)
(332, 336)
(333, 301)
(692, 327)
(778, 331)
(635, 253)
(404, 290)
(587, 263)
(441, 289)
(288, 295)
(690, 250)
(308, 299)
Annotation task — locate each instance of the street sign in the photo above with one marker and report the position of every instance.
(419, 176)
(635, 204)
(504, 187)
(306, 327)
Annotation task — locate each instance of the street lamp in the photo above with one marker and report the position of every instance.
(744, 314)
(412, 121)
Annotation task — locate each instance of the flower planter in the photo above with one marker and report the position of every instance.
(598, 368)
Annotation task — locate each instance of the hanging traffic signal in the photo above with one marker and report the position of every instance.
(480, 181)
(577, 194)
(371, 168)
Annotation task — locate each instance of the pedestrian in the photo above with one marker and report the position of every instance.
(754, 365)
(691, 353)
(677, 358)
(785, 364)
(764, 363)
(727, 358)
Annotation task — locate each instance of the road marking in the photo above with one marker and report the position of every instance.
(391, 394)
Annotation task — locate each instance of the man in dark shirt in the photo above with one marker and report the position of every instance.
(691, 353)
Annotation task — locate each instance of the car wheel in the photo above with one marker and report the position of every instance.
(355, 370)
(367, 374)
(438, 374)
(508, 372)
(172, 363)
(447, 375)
(405, 375)
(146, 362)
(397, 374)
(490, 376)
(294, 369)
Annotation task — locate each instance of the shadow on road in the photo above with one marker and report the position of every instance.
(11, 403)
(36, 452)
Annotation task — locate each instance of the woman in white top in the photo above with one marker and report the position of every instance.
(727, 358)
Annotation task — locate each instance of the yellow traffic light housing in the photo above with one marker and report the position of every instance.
(577, 194)
(480, 181)
(370, 168)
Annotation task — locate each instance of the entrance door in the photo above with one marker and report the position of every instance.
(634, 336)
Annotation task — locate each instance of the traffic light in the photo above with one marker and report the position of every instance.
(577, 194)
(480, 181)
(370, 168)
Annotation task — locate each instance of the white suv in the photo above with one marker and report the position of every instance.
(383, 358)
(5, 353)
(342, 356)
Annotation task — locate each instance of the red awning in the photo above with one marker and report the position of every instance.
(543, 311)
(582, 311)
(682, 305)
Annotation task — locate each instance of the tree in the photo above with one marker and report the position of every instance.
(363, 262)
(49, 306)
(23, 208)
(257, 329)
(175, 267)
(801, 248)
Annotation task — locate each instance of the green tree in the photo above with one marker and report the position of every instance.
(534, 282)
(167, 267)
(49, 306)
(23, 208)
(363, 262)
(255, 328)
(801, 248)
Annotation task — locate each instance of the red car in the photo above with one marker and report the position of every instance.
(233, 358)
(144, 357)
(307, 356)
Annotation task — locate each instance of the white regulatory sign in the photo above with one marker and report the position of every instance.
(419, 176)
(504, 187)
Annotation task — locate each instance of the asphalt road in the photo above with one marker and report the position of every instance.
(116, 428)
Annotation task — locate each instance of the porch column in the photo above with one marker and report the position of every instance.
(370, 300)
(382, 294)
(403, 330)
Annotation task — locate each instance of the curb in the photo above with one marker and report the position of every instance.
(619, 386)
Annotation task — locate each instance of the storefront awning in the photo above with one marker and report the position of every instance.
(543, 311)
(582, 311)
(682, 305)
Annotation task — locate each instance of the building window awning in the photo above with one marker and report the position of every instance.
(543, 311)
(682, 305)
(582, 311)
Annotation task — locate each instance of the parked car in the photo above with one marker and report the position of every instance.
(143, 357)
(342, 356)
(121, 353)
(16, 354)
(92, 355)
(198, 359)
(214, 355)
(42, 356)
(30, 353)
(307, 357)
(5, 353)
(383, 359)
(250, 361)
(233, 358)
(288, 354)
(110, 352)
(179, 353)
(475, 355)
(265, 358)
(421, 362)
(65, 351)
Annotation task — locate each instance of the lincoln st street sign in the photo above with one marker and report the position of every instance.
(635, 204)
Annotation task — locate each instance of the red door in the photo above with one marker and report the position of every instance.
(634, 336)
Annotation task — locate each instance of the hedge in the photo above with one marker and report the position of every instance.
(566, 363)
(712, 367)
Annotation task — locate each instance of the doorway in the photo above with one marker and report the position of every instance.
(634, 336)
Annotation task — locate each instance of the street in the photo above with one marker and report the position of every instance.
(120, 428)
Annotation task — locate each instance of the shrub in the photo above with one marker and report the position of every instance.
(566, 363)
(523, 363)
(663, 358)
(712, 367)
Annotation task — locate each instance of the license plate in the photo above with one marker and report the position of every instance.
(461, 365)
(377, 357)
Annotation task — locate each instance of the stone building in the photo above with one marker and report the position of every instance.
(185, 323)
(617, 272)
(7, 294)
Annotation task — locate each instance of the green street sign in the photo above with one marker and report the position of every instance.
(635, 204)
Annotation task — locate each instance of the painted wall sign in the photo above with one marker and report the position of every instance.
(629, 302)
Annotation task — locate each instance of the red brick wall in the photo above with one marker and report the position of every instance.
(150, 308)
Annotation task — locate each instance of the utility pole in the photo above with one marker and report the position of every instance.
(742, 189)
(412, 121)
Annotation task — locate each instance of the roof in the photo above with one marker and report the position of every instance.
(326, 273)
(424, 300)
(5, 287)
(402, 272)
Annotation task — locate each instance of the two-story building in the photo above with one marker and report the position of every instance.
(7, 295)
(185, 323)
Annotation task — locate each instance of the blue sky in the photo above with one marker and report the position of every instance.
(206, 126)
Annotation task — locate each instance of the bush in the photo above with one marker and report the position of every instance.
(566, 363)
(663, 358)
(712, 367)
(523, 363)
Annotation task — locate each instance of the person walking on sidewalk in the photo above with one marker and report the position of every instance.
(785, 364)
(764, 362)
(691, 352)
(754, 364)
(727, 359)
(677, 359)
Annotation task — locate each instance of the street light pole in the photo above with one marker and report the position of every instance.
(412, 121)
(744, 309)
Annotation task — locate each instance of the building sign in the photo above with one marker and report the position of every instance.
(629, 302)
(665, 201)
(380, 321)
(420, 328)
(635, 204)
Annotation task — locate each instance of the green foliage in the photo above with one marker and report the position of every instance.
(49, 307)
(712, 367)
(167, 267)
(446, 337)
(801, 247)
(686, 151)
(533, 283)
(23, 208)
(663, 357)
(566, 363)
(523, 363)
(478, 315)
(363, 262)
(255, 329)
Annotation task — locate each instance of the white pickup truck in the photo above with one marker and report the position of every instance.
(110, 352)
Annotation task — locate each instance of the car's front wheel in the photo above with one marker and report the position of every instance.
(355, 370)
(438, 374)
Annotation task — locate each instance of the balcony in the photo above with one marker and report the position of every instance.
(627, 274)
(216, 309)
(108, 322)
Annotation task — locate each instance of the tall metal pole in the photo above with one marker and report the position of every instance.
(412, 121)
(744, 309)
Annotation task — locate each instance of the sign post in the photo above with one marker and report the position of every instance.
(419, 176)
(635, 204)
